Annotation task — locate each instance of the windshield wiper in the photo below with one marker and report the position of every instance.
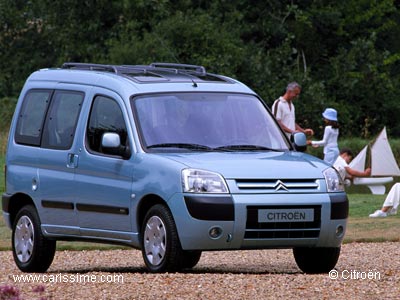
(245, 148)
(207, 148)
(182, 146)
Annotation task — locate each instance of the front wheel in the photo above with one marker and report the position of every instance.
(31, 250)
(316, 260)
(190, 258)
(161, 248)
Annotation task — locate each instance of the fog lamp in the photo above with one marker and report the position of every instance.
(215, 232)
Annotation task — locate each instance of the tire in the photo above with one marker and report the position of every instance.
(161, 248)
(190, 259)
(316, 260)
(32, 251)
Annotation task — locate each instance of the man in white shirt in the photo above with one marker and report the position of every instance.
(342, 166)
(284, 112)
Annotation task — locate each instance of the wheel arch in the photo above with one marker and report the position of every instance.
(17, 201)
(145, 204)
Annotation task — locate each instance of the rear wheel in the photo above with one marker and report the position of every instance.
(32, 251)
(161, 248)
(316, 260)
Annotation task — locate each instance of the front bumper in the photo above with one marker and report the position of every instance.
(236, 217)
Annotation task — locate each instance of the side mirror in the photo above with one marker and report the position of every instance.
(110, 140)
(111, 144)
(299, 141)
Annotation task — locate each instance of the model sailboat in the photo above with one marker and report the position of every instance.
(382, 162)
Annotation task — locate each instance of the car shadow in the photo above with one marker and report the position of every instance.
(284, 270)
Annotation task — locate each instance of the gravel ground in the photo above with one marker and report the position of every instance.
(267, 274)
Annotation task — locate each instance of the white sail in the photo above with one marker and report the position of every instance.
(358, 162)
(383, 162)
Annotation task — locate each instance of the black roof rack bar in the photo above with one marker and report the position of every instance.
(155, 69)
(181, 67)
(137, 68)
(93, 67)
(149, 69)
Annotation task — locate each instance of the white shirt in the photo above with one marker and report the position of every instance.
(285, 113)
(340, 165)
(329, 139)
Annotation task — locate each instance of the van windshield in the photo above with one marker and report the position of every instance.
(206, 122)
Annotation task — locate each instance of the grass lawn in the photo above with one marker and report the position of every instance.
(360, 228)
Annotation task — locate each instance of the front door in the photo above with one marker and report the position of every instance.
(104, 180)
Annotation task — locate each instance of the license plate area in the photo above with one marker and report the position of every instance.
(286, 215)
(279, 228)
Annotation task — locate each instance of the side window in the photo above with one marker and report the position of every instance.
(105, 116)
(31, 117)
(59, 129)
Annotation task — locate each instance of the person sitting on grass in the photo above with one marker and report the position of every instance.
(390, 205)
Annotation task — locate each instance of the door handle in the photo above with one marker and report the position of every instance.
(72, 160)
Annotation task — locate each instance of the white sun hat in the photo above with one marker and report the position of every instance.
(330, 114)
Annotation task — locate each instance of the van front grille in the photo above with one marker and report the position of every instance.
(277, 185)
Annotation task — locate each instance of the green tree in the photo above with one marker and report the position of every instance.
(345, 54)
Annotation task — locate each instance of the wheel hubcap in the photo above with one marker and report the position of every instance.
(155, 240)
(24, 239)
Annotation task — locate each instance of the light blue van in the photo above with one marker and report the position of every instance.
(166, 158)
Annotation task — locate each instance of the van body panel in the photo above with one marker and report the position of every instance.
(202, 147)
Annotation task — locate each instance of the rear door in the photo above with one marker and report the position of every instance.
(55, 182)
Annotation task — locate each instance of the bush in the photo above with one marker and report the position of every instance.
(6, 112)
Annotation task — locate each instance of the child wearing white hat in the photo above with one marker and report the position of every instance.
(330, 138)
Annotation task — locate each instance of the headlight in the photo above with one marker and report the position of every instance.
(200, 181)
(333, 181)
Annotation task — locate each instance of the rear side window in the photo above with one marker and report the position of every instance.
(61, 121)
(32, 116)
(48, 118)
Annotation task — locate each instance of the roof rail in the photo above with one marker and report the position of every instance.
(170, 67)
(92, 67)
(155, 69)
